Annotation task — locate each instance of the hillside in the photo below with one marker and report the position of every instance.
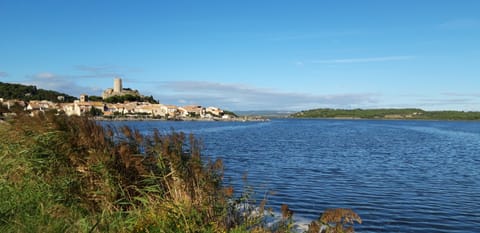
(405, 113)
(27, 93)
(265, 113)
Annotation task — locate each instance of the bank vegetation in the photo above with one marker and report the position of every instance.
(389, 113)
(70, 174)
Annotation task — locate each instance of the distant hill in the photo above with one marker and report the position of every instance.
(404, 113)
(27, 93)
(265, 113)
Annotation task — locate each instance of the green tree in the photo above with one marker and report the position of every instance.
(95, 98)
(27, 93)
(95, 112)
(130, 98)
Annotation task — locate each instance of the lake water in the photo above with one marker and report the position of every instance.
(399, 176)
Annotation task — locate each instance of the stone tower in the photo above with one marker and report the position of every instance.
(117, 85)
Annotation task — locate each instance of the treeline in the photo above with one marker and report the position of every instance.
(30, 92)
(451, 115)
(404, 113)
(130, 98)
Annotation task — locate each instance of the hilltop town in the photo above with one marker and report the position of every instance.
(117, 103)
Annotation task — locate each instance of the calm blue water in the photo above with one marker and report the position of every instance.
(399, 176)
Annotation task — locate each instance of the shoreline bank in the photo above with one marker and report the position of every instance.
(239, 119)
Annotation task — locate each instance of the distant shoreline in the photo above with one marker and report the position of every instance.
(238, 119)
(387, 114)
(377, 119)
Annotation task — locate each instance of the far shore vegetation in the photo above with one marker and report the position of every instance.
(70, 174)
(401, 113)
(27, 93)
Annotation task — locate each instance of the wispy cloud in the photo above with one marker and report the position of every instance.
(460, 24)
(460, 104)
(3, 74)
(96, 69)
(60, 83)
(362, 60)
(69, 83)
(313, 36)
(449, 101)
(245, 97)
(459, 94)
(104, 71)
(45, 76)
(445, 101)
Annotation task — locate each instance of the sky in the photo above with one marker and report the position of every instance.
(251, 54)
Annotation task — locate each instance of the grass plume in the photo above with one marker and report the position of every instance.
(70, 174)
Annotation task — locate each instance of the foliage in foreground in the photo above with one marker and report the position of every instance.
(69, 174)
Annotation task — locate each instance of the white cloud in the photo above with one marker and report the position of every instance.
(3, 74)
(457, 94)
(68, 83)
(245, 97)
(446, 101)
(441, 101)
(45, 75)
(460, 104)
(60, 83)
(362, 60)
(299, 63)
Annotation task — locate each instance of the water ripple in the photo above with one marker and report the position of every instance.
(399, 176)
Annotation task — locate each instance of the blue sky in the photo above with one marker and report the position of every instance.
(251, 55)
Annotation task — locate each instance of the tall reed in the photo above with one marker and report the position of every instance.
(71, 174)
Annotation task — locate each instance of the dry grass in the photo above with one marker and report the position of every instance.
(69, 174)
